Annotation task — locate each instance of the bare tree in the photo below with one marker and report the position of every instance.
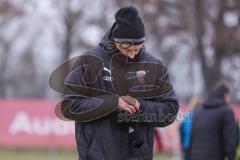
(7, 12)
(224, 42)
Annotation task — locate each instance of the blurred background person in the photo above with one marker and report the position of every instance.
(186, 126)
(213, 132)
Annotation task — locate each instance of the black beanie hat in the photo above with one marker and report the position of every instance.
(128, 26)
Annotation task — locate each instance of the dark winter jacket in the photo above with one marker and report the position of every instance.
(213, 132)
(102, 139)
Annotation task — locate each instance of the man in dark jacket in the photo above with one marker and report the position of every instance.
(103, 138)
(213, 132)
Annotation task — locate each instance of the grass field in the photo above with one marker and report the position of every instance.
(24, 154)
(52, 154)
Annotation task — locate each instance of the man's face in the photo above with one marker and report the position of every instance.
(129, 50)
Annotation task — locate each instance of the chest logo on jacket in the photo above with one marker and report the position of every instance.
(107, 77)
(141, 75)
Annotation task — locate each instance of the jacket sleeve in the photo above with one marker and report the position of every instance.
(160, 111)
(78, 103)
(229, 136)
(73, 104)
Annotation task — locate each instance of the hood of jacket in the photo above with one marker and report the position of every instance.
(214, 100)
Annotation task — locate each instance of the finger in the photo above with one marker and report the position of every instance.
(131, 101)
(124, 106)
(126, 109)
(137, 105)
(129, 106)
(132, 108)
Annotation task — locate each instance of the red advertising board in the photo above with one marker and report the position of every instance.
(32, 123)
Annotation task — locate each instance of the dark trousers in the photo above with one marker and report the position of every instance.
(186, 154)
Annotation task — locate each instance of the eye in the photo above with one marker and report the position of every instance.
(124, 45)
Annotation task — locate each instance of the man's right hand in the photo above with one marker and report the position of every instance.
(128, 104)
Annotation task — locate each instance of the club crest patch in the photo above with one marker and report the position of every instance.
(141, 75)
